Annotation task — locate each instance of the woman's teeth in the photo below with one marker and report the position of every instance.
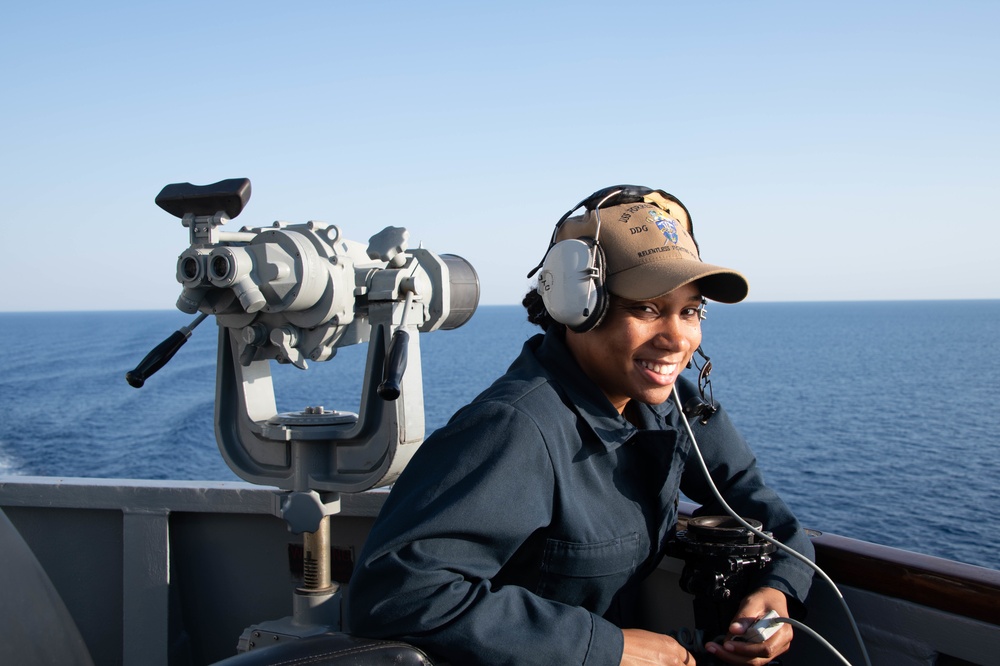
(659, 368)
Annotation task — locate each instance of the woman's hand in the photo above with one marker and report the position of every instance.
(753, 608)
(646, 647)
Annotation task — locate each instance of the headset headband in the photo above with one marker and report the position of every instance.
(616, 195)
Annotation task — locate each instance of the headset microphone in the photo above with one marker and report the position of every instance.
(702, 406)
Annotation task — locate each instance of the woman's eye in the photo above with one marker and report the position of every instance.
(645, 311)
(650, 311)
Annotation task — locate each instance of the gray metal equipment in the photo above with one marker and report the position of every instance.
(294, 293)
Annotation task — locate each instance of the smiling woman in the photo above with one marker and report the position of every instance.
(582, 431)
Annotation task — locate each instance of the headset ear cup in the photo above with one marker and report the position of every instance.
(571, 283)
(600, 308)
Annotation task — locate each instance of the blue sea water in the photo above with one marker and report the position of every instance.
(875, 420)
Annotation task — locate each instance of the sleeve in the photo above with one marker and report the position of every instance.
(734, 470)
(472, 495)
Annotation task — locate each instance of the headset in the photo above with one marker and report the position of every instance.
(572, 272)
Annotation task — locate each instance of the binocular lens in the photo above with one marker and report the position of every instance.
(464, 284)
(189, 268)
(220, 266)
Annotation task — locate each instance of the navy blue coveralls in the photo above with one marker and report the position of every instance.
(520, 532)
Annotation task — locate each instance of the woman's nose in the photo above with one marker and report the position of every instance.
(674, 334)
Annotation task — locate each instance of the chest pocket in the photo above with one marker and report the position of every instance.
(587, 574)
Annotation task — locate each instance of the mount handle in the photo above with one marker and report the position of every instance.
(395, 365)
(161, 353)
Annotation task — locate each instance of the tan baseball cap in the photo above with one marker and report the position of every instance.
(649, 251)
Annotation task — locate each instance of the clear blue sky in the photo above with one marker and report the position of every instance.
(831, 151)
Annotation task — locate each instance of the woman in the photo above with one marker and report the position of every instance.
(520, 532)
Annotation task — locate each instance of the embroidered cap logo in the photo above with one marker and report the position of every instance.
(666, 225)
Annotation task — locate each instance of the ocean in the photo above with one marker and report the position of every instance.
(874, 420)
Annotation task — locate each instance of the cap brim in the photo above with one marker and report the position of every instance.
(653, 280)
